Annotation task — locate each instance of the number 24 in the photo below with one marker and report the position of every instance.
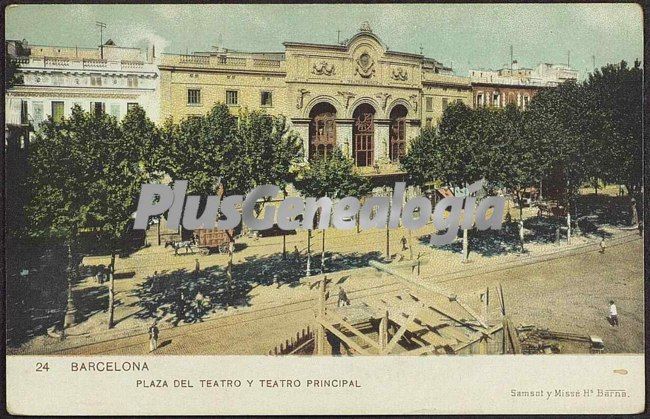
(41, 367)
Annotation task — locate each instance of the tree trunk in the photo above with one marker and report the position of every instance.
(111, 291)
(284, 246)
(308, 252)
(322, 257)
(634, 215)
(70, 311)
(387, 242)
(465, 245)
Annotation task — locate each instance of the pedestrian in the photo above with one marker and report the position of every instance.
(521, 234)
(296, 252)
(101, 275)
(602, 245)
(613, 314)
(404, 244)
(180, 308)
(197, 267)
(153, 336)
(343, 299)
(200, 309)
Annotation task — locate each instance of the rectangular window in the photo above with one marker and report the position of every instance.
(495, 99)
(24, 116)
(39, 115)
(266, 99)
(479, 100)
(115, 110)
(98, 108)
(57, 111)
(96, 80)
(445, 103)
(193, 96)
(231, 97)
(429, 121)
(429, 104)
(132, 81)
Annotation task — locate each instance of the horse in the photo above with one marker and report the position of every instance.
(187, 245)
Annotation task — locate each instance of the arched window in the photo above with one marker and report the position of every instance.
(322, 130)
(364, 135)
(397, 147)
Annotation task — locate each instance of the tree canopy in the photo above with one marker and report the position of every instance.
(332, 176)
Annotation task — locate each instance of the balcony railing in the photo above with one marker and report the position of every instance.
(220, 61)
(84, 64)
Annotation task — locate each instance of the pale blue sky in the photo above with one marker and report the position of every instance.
(465, 35)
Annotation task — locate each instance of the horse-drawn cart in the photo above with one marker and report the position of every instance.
(553, 208)
(209, 239)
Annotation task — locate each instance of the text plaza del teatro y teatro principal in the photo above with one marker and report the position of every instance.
(358, 95)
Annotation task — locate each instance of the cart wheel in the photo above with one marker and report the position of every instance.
(223, 248)
(205, 251)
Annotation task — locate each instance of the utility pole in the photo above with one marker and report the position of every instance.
(568, 58)
(338, 36)
(101, 26)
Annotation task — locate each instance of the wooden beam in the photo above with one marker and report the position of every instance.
(419, 288)
(341, 336)
(333, 317)
(501, 299)
(383, 332)
(420, 351)
(398, 335)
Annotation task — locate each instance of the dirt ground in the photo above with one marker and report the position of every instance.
(556, 285)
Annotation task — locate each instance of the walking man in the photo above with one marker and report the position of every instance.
(613, 314)
(404, 244)
(153, 336)
(343, 298)
(602, 245)
(197, 268)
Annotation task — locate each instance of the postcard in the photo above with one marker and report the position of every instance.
(324, 209)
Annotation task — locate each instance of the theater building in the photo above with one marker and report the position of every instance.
(358, 95)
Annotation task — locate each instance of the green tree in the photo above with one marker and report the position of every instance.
(65, 163)
(332, 176)
(558, 118)
(616, 97)
(124, 154)
(264, 151)
(461, 151)
(519, 158)
(193, 149)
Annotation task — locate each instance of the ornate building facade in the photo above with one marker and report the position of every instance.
(359, 95)
(108, 79)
